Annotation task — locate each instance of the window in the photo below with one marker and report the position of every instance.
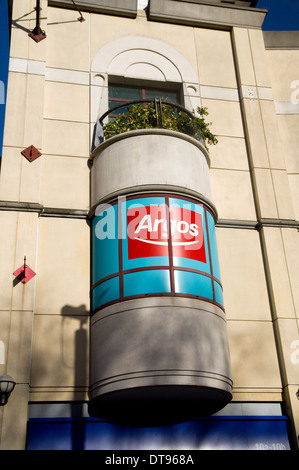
(124, 94)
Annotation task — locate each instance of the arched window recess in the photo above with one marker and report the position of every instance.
(138, 68)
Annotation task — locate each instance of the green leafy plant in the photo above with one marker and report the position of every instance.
(145, 116)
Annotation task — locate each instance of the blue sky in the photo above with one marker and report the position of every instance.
(4, 47)
(283, 15)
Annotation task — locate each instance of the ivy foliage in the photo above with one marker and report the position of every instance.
(145, 116)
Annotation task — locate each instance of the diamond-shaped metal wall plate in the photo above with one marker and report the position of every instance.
(31, 153)
(24, 273)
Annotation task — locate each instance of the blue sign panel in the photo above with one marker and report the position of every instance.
(214, 433)
(4, 59)
(151, 245)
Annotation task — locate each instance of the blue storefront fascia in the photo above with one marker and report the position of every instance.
(210, 433)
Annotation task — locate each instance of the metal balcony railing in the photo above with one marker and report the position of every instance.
(159, 106)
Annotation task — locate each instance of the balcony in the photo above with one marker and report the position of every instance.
(164, 150)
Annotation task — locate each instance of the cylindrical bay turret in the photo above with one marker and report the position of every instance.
(158, 327)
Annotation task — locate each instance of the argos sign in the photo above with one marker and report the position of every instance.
(151, 245)
(152, 230)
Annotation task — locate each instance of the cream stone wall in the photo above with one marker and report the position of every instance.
(18, 238)
(59, 369)
(54, 98)
(282, 245)
(248, 315)
(284, 71)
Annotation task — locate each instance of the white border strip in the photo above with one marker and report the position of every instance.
(286, 107)
(253, 92)
(34, 67)
(218, 93)
(67, 76)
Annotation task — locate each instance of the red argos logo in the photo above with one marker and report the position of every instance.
(154, 230)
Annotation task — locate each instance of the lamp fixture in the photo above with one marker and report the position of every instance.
(81, 19)
(37, 34)
(7, 384)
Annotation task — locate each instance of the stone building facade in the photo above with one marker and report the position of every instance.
(55, 171)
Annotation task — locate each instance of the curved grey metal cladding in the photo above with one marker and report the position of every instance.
(149, 160)
(159, 360)
(111, 7)
(199, 13)
(159, 344)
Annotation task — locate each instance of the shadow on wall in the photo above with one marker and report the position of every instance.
(81, 341)
(80, 370)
